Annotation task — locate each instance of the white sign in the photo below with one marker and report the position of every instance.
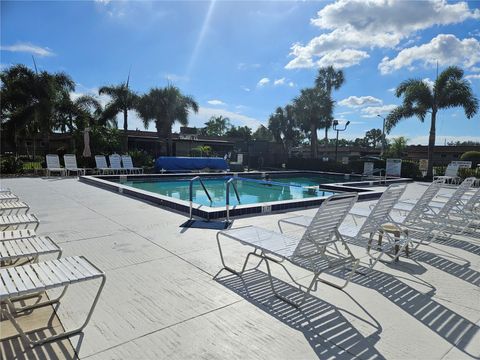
(462, 164)
(423, 165)
(368, 168)
(394, 167)
(345, 160)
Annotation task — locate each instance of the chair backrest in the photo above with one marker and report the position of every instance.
(325, 223)
(53, 161)
(127, 162)
(451, 170)
(474, 201)
(70, 161)
(101, 162)
(115, 161)
(379, 215)
(456, 197)
(421, 206)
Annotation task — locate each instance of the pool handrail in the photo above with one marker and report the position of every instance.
(227, 197)
(191, 193)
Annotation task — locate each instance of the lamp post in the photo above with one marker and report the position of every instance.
(383, 134)
(335, 128)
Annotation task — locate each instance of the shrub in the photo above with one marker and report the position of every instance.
(464, 173)
(141, 158)
(410, 169)
(473, 156)
(11, 165)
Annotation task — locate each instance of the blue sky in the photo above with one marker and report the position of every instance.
(242, 59)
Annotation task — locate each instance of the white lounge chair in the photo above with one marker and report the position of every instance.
(321, 248)
(16, 234)
(18, 222)
(116, 164)
(374, 224)
(101, 163)
(53, 165)
(8, 197)
(23, 281)
(29, 248)
(13, 207)
(71, 165)
(128, 165)
(451, 174)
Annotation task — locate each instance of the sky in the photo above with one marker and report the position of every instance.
(243, 59)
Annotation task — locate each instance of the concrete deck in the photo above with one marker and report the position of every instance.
(160, 301)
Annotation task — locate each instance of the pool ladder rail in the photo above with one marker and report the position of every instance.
(191, 193)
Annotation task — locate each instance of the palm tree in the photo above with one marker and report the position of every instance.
(165, 106)
(122, 100)
(216, 126)
(276, 124)
(311, 106)
(329, 79)
(283, 126)
(449, 90)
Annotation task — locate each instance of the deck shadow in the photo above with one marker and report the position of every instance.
(328, 332)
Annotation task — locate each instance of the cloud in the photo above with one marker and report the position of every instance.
(473, 76)
(244, 88)
(353, 26)
(104, 2)
(28, 48)
(176, 78)
(291, 84)
(245, 66)
(236, 119)
(441, 139)
(447, 49)
(429, 82)
(216, 102)
(392, 90)
(263, 81)
(278, 82)
(373, 111)
(357, 101)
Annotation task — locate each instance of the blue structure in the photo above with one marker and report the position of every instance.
(186, 164)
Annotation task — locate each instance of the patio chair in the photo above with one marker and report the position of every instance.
(13, 207)
(101, 164)
(4, 191)
(318, 250)
(451, 174)
(18, 222)
(71, 165)
(16, 234)
(53, 165)
(6, 197)
(128, 165)
(32, 279)
(29, 248)
(116, 164)
(377, 222)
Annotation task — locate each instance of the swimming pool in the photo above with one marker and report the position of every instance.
(250, 190)
(283, 190)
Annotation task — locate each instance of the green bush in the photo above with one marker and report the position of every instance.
(410, 169)
(473, 156)
(464, 173)
(141, 158)
(11, 165)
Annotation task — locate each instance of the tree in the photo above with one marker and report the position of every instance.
(216, 126)
(449, 90)
(31, 101)
(310, 107)
(372, 137)
(283, 126)
(262, 133)
(397, 147)
(165, 106)
(329, 79)
(243, 132)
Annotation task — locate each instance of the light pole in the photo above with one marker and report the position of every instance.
(383, 134)
(335, 128)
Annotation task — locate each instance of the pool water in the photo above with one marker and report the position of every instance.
(250, 191)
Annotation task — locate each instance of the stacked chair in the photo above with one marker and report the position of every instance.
(31, 265)
(118, 165)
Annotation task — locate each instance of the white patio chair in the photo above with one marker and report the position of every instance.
(53, 165)
(71, 165)
(128, 165)
(13, 207)
(451, 174)
(7, 197)
(101, 163)
(16, 234)
(374, 224)
(321, 248)
(29, 248)
(116, 164)
(31, 279)
(18, 222)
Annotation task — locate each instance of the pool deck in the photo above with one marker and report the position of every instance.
(160, 301)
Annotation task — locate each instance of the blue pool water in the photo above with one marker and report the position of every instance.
(250, 190)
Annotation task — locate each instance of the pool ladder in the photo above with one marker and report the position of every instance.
(231, 181)
(191, 193)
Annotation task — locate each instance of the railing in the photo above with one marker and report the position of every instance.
(227, 198)
(191, 193)
(378, 171)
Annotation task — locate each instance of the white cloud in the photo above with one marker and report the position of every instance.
(441, 139)
(104, 2)
(244, 88)
(447, 49)
(216, 102)
(373, 111)
(280, 81)
(28, 48)
(176, 78)
(291, 84)
(263, 81)
(357, 101)
(392, 90)
(352, 25)
(245, 66)
(236, 119)
(429, 82)
(473, 76)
